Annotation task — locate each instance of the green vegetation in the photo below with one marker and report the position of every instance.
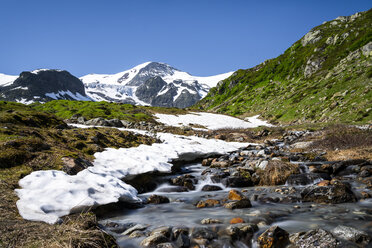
(287, 89)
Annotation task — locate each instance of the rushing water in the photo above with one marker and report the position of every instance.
(293, 217)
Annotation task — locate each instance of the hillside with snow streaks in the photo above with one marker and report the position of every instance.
(150, 83)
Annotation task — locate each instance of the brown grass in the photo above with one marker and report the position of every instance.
(277, 173)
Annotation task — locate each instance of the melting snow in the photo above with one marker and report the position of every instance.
(210, 121)
(61, 93)
(48, 195)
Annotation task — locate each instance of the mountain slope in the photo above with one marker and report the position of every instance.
(151, 83)
(325, 76)
(42, 85)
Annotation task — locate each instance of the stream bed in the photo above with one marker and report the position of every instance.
(270, 206)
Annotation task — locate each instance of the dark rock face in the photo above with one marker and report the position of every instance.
(32, 86)
(211, 188)
(305, 178)
(314, 238)
(335, 193)
(274, 237)
(150, 90)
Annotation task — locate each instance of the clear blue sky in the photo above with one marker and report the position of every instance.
(202, 37)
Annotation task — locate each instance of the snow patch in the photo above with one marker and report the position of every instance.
(48, 195)
(6, 80)
(25, 101)
(60, 94)
(210, 121)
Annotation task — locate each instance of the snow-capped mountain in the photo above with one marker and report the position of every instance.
(150, 83)
(41, 85)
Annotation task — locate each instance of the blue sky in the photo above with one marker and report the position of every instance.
(202, 37)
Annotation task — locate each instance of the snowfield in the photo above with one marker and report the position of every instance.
(48, 195)
(210, 121)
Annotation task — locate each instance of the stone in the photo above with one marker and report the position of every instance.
(208, 203)
(317, 238)
(211, 188)
(235, 195)
(311, 37)
(209, 221)
(241, 231)
(187, 181)
(219, 164)
(274, 237)
(165, 245)
(154, 240)
(137, 227)
(164, 230)
(324, 183)
(115, 123)
(207, 161)
(276, 173)
(183, 241)
(304, 179)
(236, 220)
(203, 233)
(74, 165)
(367, 49)
(237, 181)
(352, 234)
(157, 199)
(334, 193)
(244, 203)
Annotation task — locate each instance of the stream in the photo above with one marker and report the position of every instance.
(293, 216)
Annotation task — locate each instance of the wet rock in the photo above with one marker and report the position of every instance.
(241, 231)
(187, 181)
(137, 227)
(304, 179)
(164, 230)
(73, 165)
(176, 231)
(208, 203)
(173, 189)
(235, 195)
(324, 183)
(207, 161)
(118, 228)
(352, 234)
(243, 203)
(211, 188)
(237, 182)
(274, 237)
(183, 241)
(154, 240)
(203, 233)
(157, 199)
(337, 192)
(236, 220)
(219, 164)
(166, 245)
(217, 177)
(138, 234)
(209, 221)
(317, 238)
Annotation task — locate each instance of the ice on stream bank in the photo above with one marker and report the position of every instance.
(210, 121)
(48, 195)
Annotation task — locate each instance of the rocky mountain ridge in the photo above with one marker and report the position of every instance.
(151, 83)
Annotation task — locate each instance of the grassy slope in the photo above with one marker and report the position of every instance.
(32, 140)
(66, 109)
(341, 91)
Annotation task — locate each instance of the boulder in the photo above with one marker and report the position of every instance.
(277, 173)
(317, 238)
(137, 227)
(187, 181)
(236, 220)
(203, 233)
(154, 240)
(235, 195)
(241, 231)
(208, 203)
(335, 193)
(274, 237)
(157, 199)
(211, 188)
(237, 181)
(304, 179)
(73, 165)
(352, 234)
(243, 203)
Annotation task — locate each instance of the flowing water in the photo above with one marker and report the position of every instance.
(292, 216)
